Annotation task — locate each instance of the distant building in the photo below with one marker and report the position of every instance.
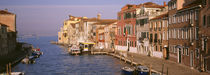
(109, 34)
(81, 29)
(101, 38)
(65, 35)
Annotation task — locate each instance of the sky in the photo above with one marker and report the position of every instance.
(45, 17)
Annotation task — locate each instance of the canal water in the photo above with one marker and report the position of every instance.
(57, 61)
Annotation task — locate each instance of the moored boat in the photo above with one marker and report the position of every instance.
(75, 50)
(142, 70)
(127, 71)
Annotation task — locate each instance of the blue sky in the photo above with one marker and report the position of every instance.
(45, 17)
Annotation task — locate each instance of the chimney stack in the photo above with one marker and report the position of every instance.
(98, 16)
(164, 3)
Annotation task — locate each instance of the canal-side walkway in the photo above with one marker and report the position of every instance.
(157, 64)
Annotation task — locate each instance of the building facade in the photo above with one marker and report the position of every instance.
(3, 39)
(9, 19)
(158, 36)
(126, 36)
(109, 33)
(145, 12)
(204, 35)
(183, 32)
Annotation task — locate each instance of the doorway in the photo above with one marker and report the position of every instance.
(180, 55)
(191, 58)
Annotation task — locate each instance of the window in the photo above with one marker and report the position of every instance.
(151, 38)
(155, 25)
(204, 45)
(174, 33)
(167, 35)
(183, 51)
(187, 51)
(196, 14)
(178, 33)
(182, 18)
(191, 15)
(150, 26)
(163, 23)
(163, 35)
(204, 2)
(160, 37)
(160, 25)
(182, 33)
(174, 19)
(196, 33)
(186, 33)
(208, 20)
(169, 20)
(178, 19)
(156, 49)
(186, 17)
(197, 53)
(174, 49)
(204, 20)
(190, 33)
(155, 40)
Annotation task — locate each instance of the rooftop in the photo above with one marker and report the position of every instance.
(105, 21)
(194, 3)
(160, 16)
(152, 5)
(5, 12)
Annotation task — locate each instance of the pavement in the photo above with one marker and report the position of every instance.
(173, 68)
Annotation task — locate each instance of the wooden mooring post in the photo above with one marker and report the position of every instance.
(150, 68)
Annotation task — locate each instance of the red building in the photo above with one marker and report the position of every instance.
(125, 38)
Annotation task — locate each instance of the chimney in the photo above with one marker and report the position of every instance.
(98, 16)
(164, 3)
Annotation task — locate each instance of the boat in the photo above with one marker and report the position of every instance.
(28, 60)
(142, 70)
(14, 73)
(36, 52)
(86, 47)
(17, 73)
(128, 71)
(75, 50)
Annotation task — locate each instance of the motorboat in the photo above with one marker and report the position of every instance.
(75, 50)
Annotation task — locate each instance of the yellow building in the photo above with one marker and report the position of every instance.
(66, 32)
